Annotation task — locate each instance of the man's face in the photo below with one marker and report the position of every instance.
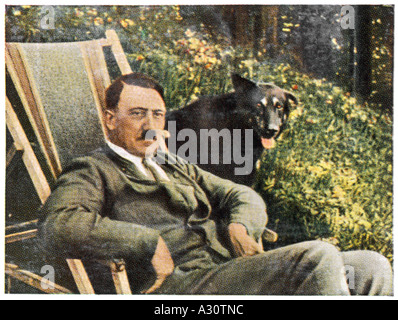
(139, 110)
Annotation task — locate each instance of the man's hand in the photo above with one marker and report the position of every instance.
(242, 243)
(163, 265)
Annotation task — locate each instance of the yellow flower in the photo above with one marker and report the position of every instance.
(338, 192)
(195, 43)
(295, 113)
(326, 165)
(124, 24)
(318, 83)
(92, 12)
(316, 170)
(249, 63)
(98, 21)
(189, 33)
(130, 22)
(17, 13)
(200, 59)
(208, 66)
(79, 13)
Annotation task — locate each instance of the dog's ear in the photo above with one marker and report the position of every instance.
(267, 86)
(291, 96)
(242, 85)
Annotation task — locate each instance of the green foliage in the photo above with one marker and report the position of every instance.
(329, 176)
(188, 67)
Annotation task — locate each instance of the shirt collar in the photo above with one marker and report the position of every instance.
(124, 153)
(137, 161)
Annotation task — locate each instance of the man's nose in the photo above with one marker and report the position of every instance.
(149, 122)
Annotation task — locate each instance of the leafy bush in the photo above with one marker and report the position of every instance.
(330, 175)
(188, 67)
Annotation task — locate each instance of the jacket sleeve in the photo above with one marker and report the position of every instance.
(240, 203)
(74, 222)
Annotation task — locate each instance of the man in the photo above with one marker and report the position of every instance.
(182, 230)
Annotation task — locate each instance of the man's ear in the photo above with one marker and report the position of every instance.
(110, 119)
(242, 85)
(291, 96)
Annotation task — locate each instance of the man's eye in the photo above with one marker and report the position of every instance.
(138, 113)
(159, 115)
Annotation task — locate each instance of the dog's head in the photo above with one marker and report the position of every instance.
(266, 107)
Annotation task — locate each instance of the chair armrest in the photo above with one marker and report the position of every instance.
(119, 275)
(83, 283)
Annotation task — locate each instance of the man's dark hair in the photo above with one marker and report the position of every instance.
(112, 94)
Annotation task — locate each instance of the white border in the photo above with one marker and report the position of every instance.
(181, 297)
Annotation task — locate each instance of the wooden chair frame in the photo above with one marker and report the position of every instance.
(96, 68)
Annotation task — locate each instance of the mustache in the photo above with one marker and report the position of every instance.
(154, 134)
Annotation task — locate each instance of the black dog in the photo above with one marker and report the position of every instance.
(249, 119)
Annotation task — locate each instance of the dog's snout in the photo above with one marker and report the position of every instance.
(270, 133)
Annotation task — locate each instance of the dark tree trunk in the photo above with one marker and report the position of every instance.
(363, 68)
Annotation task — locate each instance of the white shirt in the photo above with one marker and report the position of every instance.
(137, 161)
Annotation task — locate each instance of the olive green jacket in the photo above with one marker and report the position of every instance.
(103, 207)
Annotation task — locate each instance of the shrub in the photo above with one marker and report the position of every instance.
(330, 175)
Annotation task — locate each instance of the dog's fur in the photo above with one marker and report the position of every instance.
(262, 107)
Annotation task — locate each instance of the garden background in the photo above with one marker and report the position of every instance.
(330, 175)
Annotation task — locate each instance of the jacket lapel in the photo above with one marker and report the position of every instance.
(196, 199)
(173, 166)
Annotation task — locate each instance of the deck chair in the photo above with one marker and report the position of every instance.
(61, 87)
(22, 149)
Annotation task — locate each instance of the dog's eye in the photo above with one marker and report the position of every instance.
(277, 103)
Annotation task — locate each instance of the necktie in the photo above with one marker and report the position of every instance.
(153, 173)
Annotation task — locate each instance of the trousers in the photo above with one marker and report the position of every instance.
(307, 268)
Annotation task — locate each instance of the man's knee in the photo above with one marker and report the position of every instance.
(368, 273)
(322, 252)
(318, 269)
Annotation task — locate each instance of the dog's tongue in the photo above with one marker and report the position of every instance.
(268, 143)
